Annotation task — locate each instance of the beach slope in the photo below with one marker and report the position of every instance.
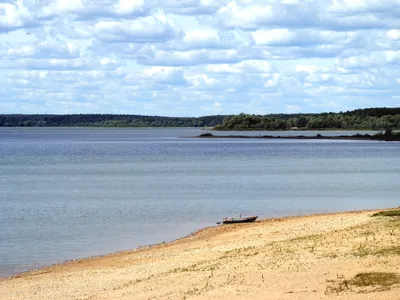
(333, 256)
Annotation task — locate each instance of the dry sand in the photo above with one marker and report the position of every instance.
(310, 257)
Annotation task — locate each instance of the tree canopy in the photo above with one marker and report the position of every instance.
(106, 120)
(370, 118)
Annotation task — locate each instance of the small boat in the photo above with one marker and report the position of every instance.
(238, 219)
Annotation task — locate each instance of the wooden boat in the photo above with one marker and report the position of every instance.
(238, 219)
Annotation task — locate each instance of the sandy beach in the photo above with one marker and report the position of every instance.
(332, 256)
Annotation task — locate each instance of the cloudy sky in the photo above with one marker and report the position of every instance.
(198, 57)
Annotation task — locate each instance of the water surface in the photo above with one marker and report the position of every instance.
(67, 193)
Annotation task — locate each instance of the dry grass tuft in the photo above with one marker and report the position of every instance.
(374, 279)
(363, 283)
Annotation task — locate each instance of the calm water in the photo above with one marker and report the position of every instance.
(72, 193)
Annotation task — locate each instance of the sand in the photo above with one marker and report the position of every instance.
(309, 257)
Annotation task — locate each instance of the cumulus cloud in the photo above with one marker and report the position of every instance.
(393, 34)
(306, 37)
(187, 58)
(15, 16)
(190, 7)
(129, 7)
(393, 57)
(246, 66)
(203, 81)
(163, 75)
(358, 62)
(43, 50)
(253, 16)
(52, 64)
(90, 9)
(363, 6)
(203, 39)
(336, 15)
(153, 29)
(193, 57)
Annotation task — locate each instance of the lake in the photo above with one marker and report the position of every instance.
(68, 193)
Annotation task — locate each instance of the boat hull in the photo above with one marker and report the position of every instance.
(235, 220)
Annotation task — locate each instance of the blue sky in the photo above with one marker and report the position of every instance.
(198, 57)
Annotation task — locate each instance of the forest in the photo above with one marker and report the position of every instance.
(380, 118)
(370, 118)
(106, 120)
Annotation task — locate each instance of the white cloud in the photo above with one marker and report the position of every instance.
(202, 39)
(187, 58)
(53, 64)
(393, 34)
(302, 38)
(14, 16)
(201, 81)
(272, 80)
(44, 50)
(356, 62)
(217, 104)
(306, 68)
(164, 75)
(363, 6)
(129, 7)
(246, 17)
(341, 15)
(91, 10)
(190, 7)
(273, 37)
(246, 66)
(193, 57)
(393, 57)
(153, 29)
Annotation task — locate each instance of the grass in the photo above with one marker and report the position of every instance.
(374, 281)
(364, 250)
(394, 250)
(382, 279)
(388, 213)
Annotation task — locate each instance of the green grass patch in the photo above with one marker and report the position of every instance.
(388, 213)
(374, 279)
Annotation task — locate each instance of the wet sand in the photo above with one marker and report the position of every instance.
(307, 257)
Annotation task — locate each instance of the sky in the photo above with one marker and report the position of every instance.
(198, 57)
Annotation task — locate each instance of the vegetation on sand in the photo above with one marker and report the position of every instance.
(375, 281)
(388, 213)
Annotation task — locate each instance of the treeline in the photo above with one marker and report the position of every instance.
(106, 120)
(370, 118)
